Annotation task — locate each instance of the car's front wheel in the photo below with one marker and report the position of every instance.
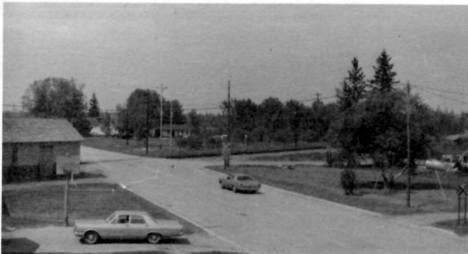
(154, 238)
(91, 237)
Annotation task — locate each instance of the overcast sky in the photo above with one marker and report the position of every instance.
(283, 51)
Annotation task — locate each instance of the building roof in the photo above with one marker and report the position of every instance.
(29, 130)
(457, 136)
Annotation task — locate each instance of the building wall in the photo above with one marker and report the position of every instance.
(67, 157)
(7, 155)
(28, 154)
(31, 158)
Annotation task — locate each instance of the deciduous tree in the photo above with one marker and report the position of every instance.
(295, 114)
(58, 98)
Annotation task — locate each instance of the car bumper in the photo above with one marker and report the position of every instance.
(174, 235)
(248, 188)
(78, 233)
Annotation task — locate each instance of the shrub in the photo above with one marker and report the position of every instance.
(192, 142)
(348, 180)
(214, 142)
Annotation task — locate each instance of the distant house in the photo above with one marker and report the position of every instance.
(458, 136)
(178, 130)
(39, 148)
(98, 128)
(96, 131)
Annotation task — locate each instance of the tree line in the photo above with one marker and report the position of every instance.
(368, 118)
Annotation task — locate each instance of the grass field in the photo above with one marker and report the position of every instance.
(43, 205)
(323, 182)
(162, 148)
(318, 156)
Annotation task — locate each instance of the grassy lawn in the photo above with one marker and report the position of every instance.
(460, 229)
(318, 156)
(323, 182)
(43, 205)
(162, 148)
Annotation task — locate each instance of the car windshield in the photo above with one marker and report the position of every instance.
(244, 178)
(110, 218)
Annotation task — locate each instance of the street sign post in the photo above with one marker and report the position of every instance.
(462, 190)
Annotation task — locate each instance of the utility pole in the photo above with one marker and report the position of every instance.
(229, 111)
(227, 145)
(318, 96)
(408, 184)
(147, 121)
(162, 88)
(126, 131)
(170, 135)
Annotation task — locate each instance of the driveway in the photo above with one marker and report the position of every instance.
(274, 221)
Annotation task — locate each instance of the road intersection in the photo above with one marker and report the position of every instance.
(274, 221)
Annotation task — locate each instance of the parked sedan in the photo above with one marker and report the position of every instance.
(239, 182)
(127, 225)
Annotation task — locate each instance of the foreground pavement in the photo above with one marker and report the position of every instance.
(274, 221)
(62, 240)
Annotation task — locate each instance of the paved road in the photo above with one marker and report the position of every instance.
(273, 221)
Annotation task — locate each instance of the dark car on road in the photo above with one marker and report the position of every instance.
(239, 182)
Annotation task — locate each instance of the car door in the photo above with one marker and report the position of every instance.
(119, 227)
(138, 227)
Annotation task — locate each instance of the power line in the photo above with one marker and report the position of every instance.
(441, 90)
(441, 96)
(323, 98)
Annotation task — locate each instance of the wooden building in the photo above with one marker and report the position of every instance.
(35, 149)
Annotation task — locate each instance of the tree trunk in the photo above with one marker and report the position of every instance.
(388, 180)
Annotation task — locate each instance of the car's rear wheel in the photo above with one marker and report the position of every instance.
(91, 237)
(154, 238)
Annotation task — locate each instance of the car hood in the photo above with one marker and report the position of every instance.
(89, 223)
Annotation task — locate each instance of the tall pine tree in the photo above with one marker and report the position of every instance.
(94, 107)
(384, 77)
(354, 87)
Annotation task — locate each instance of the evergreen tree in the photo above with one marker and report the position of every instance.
(94, 107)
(353, 91)
(384, 77)
(353, 87)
